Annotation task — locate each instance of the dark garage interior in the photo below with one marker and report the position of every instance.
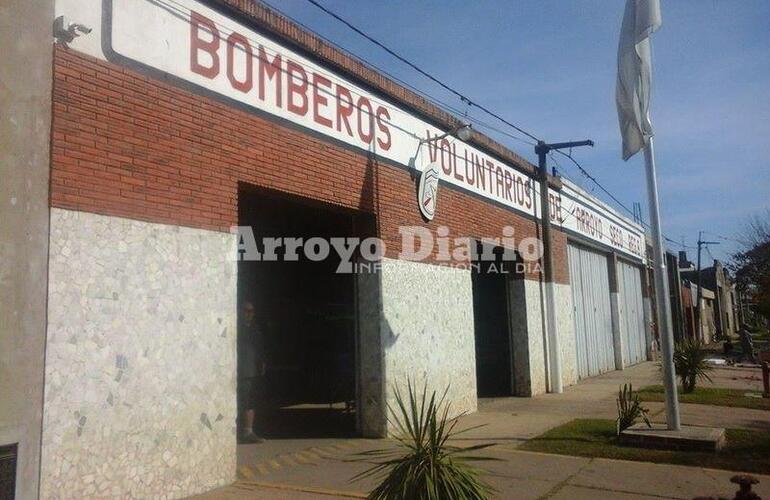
(490, 317)
(306, 313)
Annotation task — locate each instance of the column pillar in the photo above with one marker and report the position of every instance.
(25, 133)
(647, 313)
(615, 310)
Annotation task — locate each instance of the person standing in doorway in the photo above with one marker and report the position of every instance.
(251, 371)
(747, 344)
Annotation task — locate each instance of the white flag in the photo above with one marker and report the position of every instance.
(632, 94)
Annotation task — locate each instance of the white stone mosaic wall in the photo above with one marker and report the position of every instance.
(527, 307)
(427, 330)
(565, 326)
(371, 390)
(533, 293)
(140, 361)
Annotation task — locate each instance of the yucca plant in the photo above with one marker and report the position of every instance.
(690, 364)
(423, 465)
(630, 409)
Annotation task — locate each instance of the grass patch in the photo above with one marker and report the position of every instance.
(709, 396)
(746, 451)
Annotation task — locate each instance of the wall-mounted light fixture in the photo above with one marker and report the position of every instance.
(462, 132)
(65, 31)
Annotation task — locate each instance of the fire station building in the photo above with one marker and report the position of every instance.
(176, 122)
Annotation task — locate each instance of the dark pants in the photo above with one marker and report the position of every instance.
(249, 392)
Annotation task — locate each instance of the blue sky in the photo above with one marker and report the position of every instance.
(549, 66)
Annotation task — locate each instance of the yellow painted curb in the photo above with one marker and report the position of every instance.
(307, 489)
(246, 472)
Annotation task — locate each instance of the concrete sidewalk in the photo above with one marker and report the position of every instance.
(322, 468)
(519, 419)
(521, 475)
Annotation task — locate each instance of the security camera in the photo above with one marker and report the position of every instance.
(65, 31)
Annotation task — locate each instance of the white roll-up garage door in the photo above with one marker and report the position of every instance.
(631, 309)
(590, 282)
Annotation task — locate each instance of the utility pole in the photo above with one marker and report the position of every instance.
(701, 243)
(554, 365)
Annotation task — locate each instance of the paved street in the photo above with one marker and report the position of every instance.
(309, 468)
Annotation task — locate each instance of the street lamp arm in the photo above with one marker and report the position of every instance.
(545, 148)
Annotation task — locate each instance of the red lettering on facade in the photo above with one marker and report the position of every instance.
(431, 147)
(200, 23)
(481, 174)
(508, 185)
(446, 157)
(528, 194)
(489, 166)
(365, 117)
(270, 70)
(454, 164)
(239, 42)
(520, 190)
(344, 109)
(382, 115)
(469, 171)
(296, 86)
(320, 100)
(500, 180)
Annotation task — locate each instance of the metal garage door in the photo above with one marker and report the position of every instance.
(590, 282)
(631, 309)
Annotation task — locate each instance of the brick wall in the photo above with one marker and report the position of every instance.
(131, 146)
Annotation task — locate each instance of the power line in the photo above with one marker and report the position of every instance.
(565, 218)
(726, 238)
(434, 100)
(466, 100)
(446, 106)
(598, 184)
(708, 251)
(182, 11)
(469, 102)
(462, 97)
(682, 245)
(595, 181)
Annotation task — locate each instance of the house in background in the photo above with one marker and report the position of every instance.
(719, 314)
(673, 264)
(709, 330)
(717, 279)
(688, 309)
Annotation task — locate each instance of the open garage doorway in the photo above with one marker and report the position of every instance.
(491, 319)
(305, 316)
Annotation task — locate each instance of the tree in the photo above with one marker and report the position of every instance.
(751, 265)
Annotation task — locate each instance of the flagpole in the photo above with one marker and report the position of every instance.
(662, 297)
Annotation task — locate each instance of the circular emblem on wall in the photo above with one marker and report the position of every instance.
(427, 192)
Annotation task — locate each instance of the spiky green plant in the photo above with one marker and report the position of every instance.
(690, 364)
(630, 409)
(423, 465)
